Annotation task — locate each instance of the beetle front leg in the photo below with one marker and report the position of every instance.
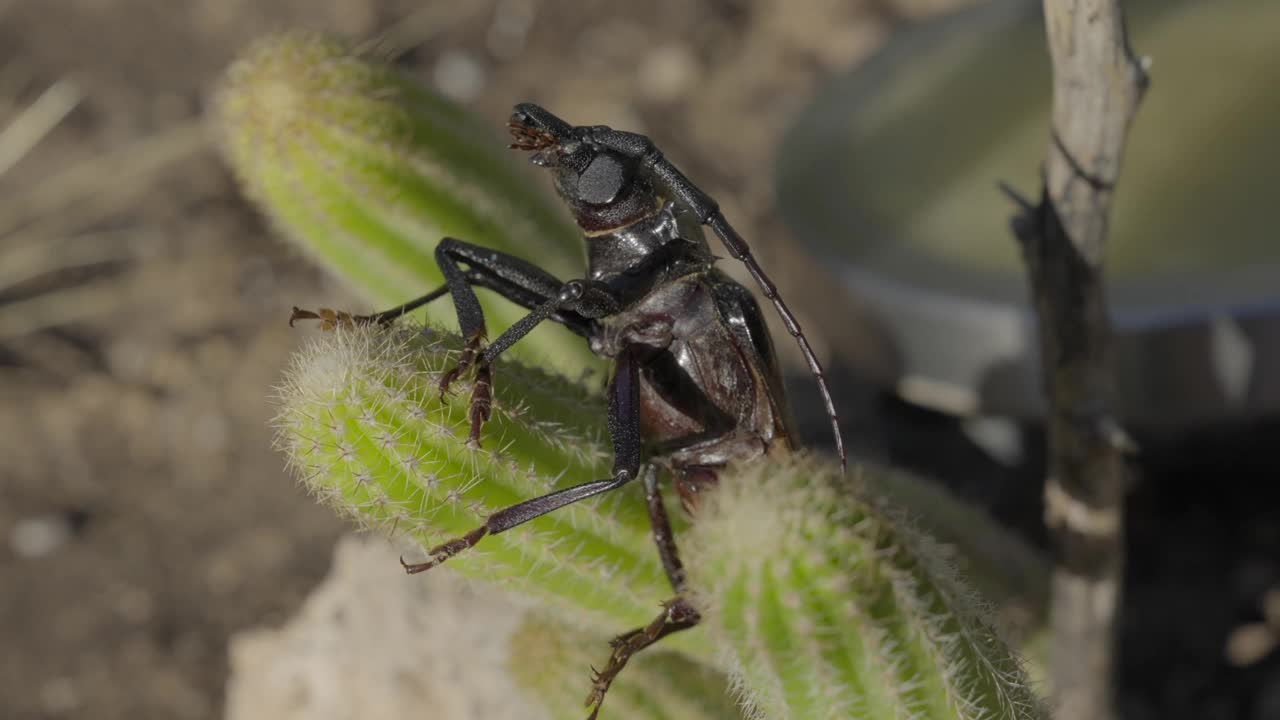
(573, 304)
(520, 281)
(467, 306)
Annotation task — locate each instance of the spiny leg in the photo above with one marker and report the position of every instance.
(470, 321)
(624, 430)
(481, 394)
(573, 303)
(516, 280)
(663, 537)
(677, 614)
(330, 319)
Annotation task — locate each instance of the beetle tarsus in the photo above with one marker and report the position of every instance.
(329, 319)
(481, 403)
(444, 551)
(677, 614)
(481, 407)
(469, 352)
(300, 314)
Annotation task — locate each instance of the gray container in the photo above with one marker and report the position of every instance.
(891, 177)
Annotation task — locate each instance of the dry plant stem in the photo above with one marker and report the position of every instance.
(1097, 85)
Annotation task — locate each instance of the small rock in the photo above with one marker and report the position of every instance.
(371, 643)
(511, 22)
(59, 696)
(1248, 644)
(39, 536)
(667, 73)
(458, 75)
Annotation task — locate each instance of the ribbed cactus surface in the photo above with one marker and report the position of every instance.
(821, 601)
(364, 426)
(827, 604)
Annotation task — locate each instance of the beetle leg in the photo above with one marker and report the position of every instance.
(522, 282)
(662, 535)
(510, 288)
(677, 614)
(587, 300)
(467, 306)
(482, 390)
(624, 430)
(570, 304)
(330, 319)
(469, 352)
(386, 317)
(515, 279)
(574, 295)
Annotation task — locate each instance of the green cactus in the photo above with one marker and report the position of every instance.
(827, 604)
(824, 603)
(365, 171)
(363, 425)
(821, 602)
(1000, 565)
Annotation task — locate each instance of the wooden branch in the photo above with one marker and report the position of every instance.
(1097, 85)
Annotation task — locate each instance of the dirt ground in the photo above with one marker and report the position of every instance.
(144, 514)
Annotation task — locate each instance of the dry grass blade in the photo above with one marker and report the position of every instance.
(53, 268)
(415, 29)
(59, 308)
(25, 262)
(106, 182)
(36, 121)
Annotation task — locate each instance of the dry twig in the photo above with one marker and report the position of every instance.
(1097, 85)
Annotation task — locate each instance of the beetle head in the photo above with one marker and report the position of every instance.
(601, 186)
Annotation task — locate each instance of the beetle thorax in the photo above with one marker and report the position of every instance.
(662, 231)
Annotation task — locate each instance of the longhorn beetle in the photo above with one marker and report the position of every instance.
(695, 384)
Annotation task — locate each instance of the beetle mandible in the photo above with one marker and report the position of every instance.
(695, 384)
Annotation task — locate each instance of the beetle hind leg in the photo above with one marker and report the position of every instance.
(677, 614)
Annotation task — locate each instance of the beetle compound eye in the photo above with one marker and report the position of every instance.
(602, 180)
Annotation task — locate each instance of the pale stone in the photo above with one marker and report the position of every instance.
(374, 644)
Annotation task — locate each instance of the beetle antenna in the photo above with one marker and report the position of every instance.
(741, 252)
(708, 213)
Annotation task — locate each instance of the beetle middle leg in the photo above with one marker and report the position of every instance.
(677, 614)
(624, 424)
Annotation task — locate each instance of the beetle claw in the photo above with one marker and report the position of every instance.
(329, 319)
(481, 407)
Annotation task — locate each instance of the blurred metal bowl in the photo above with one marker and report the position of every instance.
(891, 174)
